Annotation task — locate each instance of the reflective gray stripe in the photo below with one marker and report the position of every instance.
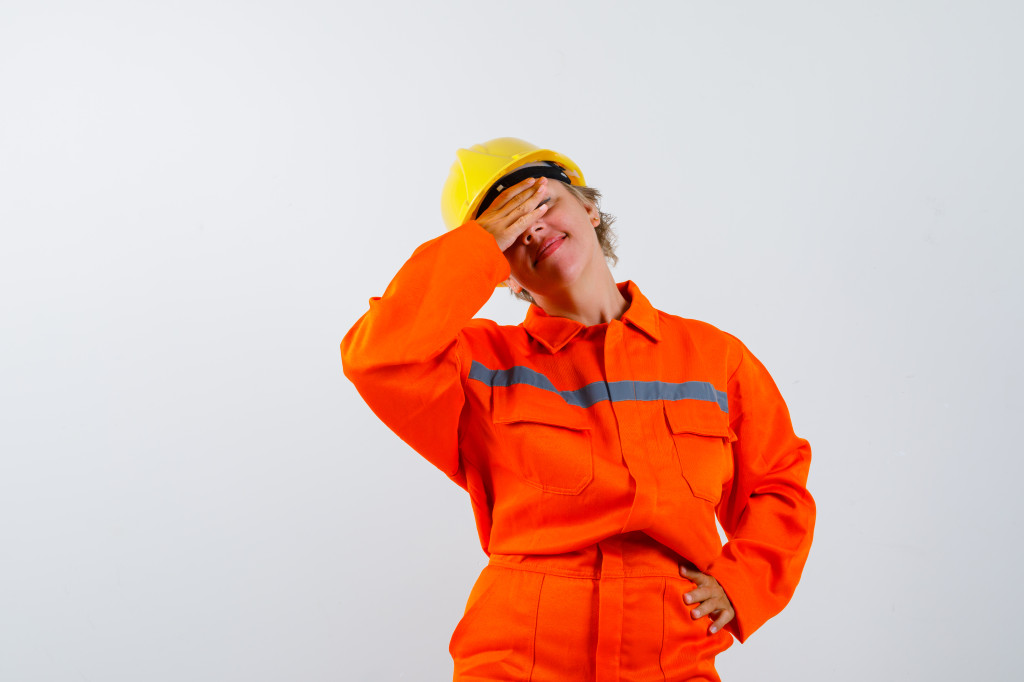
(590, 394)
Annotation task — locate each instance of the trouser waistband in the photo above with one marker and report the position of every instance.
(635, 555)
(610, 562)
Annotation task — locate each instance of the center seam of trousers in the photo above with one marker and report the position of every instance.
(610, 591)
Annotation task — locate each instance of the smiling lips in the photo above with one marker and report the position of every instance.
(548, 247)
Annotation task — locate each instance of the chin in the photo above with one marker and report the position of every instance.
(550, 285)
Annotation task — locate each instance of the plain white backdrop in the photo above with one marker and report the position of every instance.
(198, 198)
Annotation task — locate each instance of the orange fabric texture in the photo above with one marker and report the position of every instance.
(613, 611)
(567, 436)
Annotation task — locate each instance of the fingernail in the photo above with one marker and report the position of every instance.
(714, 629)
(696, 612)
(688, 599)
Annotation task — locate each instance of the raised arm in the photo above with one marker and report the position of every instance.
(406, 355)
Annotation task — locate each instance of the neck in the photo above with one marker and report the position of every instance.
(589, 300)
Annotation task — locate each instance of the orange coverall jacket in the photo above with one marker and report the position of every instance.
(564, 435)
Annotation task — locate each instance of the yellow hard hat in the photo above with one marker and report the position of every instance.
(476, 169)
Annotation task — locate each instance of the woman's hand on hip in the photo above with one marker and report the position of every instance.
(514, 210)
(710, 598)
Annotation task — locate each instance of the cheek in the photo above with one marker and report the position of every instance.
(516, 257)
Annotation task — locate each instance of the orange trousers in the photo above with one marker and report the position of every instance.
(608, 613)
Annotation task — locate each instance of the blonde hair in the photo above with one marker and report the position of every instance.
(606, 237)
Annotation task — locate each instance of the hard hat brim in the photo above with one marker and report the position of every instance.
(470, 205)
(571, 169)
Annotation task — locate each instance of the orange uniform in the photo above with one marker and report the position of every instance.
(596, 459)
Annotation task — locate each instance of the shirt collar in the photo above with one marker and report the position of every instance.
(554, 332)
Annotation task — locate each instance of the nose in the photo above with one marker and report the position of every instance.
(532, 232)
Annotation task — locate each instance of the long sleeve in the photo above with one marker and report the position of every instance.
(767, 514)
(405, 356)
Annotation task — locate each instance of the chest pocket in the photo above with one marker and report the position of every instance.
(703, 443)
(545, 440)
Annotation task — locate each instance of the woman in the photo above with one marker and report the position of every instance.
(597, 440)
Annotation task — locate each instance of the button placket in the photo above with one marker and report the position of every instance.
(629, 417)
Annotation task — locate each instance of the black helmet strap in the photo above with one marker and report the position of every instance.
(551, 170)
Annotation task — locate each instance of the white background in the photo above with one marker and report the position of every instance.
(197, 199)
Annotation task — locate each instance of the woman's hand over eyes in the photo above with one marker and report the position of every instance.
(514, 210)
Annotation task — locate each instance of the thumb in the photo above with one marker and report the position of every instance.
(691, 573)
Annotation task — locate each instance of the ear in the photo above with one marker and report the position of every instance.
(594, 214)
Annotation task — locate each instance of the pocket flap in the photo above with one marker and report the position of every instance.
(530, 404)
(701, 417)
